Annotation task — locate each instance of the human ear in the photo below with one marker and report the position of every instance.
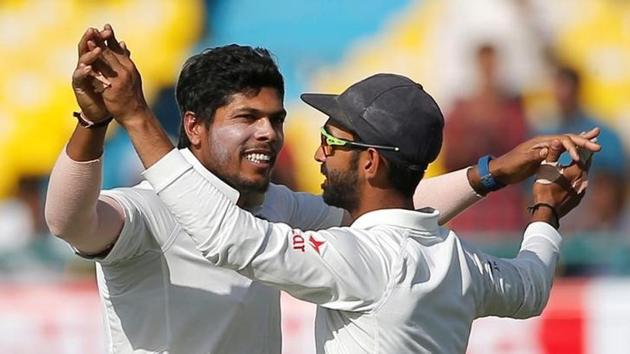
(371, 163)
(375, 168)
(193, 128)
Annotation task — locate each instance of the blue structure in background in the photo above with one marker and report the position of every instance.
(304, 35)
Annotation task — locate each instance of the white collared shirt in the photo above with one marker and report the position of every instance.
(161, 296)
(394, 282)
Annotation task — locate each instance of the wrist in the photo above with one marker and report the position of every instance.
(482, 178)
(543, 196)
(135, 117)
(496, 172)
(474, 180)
(87, 123)
(544, 212)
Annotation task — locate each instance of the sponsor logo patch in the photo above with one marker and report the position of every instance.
(315, 243)
(297, 241)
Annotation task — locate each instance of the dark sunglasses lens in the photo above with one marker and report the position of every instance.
(324, 145)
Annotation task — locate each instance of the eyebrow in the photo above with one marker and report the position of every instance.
(257, 112)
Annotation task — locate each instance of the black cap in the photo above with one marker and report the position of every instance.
(388, 109)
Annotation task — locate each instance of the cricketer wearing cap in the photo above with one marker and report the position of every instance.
(159, 293)
(395, 281)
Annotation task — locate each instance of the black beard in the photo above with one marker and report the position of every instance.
(341, 188)
(246, 187)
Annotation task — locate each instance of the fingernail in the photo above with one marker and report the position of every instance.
(544, 152)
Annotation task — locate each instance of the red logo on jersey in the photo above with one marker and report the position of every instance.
(298, 242)
(315, 244)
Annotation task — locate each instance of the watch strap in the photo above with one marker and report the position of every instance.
(487, 179)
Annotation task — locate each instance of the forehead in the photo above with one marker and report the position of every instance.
(337, 130)
(267, 100)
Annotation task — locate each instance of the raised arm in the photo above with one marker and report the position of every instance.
(520, 287)
(454, 192)
(313, 266)
(323, 267)
(73, 210)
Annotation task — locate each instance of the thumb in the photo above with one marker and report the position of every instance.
(555, 150)
(538, 152)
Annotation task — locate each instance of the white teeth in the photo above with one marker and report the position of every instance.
(258, 158)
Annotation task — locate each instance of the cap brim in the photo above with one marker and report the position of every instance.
(327, 104)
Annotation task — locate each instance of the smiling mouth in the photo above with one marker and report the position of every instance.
(259, 158)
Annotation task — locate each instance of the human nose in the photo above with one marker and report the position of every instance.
(266, 131)
(319, 154)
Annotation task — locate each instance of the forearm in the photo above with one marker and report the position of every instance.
(537, 261)
(86, 144)
(520, 287)
(451, 194)
(148, 137)
(73, 211)
(454, 192)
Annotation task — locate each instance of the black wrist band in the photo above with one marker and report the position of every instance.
(86, 123)
(535, 207)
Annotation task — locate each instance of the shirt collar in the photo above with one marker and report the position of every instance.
(425, 219)
(223, 187)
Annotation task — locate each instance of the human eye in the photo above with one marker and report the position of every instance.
(246, 116)
(278, 119)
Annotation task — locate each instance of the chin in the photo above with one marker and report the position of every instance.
(344, 198)
(253, 185)
(333, 199)
(247, 184)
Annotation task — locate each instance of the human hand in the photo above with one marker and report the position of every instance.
(560, 187)
(524, 160)
(87, 80)
(123, 97)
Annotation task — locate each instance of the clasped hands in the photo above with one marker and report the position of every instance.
(106, 81)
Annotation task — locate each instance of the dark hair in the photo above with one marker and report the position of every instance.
(403, 179)
(569, 74)
(208, 79)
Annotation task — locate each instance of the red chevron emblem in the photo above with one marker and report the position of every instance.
(315, 244)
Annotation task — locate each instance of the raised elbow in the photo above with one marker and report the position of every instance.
(52, 221)
(61, 224)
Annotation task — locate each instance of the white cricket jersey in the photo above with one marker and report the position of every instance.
(394, 282)
(160, 295)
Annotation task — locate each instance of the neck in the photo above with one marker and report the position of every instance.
(376, 199)
(248, 200)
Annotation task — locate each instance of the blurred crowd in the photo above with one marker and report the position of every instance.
(491, 118)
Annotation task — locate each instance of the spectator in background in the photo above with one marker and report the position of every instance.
(490, 121)
(602, 210)
(26, 247)
(19, 217)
